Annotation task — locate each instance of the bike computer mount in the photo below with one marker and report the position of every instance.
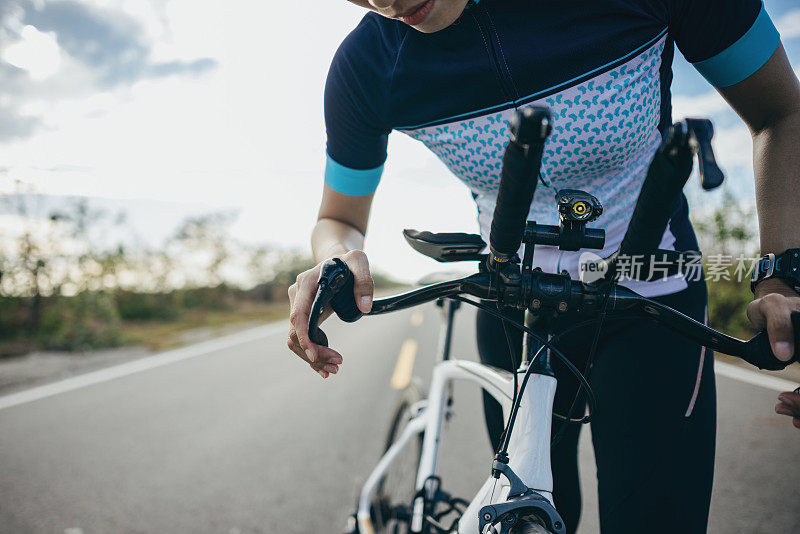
(575, 208)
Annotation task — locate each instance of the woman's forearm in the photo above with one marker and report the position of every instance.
(334, 238)
(776, 163)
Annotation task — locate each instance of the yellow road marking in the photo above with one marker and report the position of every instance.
(405, 365)
(417, 317)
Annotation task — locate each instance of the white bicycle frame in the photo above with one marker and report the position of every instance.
(529, 446)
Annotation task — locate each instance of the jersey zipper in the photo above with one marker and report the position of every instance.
(491, 42)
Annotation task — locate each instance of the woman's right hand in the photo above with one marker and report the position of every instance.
(790, 405)
(324, 360)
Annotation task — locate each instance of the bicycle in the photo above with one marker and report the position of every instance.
(517, 496)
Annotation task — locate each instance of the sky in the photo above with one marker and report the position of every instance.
(169, 108)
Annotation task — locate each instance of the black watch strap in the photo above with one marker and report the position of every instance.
(785, 266)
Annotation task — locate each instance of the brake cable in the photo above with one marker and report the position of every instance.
(512, 354)
(546, 343)
(586, 373)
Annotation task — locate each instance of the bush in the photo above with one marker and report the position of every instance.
(86, 321)
(14, 313)
(728, 230)
(727, 304)
(134, 306)
(221, 297)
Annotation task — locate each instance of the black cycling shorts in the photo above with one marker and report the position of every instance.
(654, 428)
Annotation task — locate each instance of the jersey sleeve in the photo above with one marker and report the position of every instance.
(357, 136)
(725, 40)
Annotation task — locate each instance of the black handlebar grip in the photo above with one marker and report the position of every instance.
(521, 162)
(668, 173)
(758, 351)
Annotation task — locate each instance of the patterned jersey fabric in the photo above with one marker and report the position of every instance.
(603, 68)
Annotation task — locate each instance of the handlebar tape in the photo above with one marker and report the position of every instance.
(758, 351)
(521, 161)
(661, 190)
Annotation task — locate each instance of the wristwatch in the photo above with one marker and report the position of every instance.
(785, 266)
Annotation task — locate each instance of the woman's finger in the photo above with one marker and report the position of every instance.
(364, 286)
(294, 346)
(325, 367)
(791, 399)
(327, 363)
(756, 315)
(328, 355)
(779, 325)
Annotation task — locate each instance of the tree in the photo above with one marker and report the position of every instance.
(729, 228)
(727, 231)
(206, 239)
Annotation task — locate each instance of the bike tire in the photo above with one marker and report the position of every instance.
(396, 490)
(529, 527)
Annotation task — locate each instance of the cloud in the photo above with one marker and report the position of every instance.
(37, 52)
(700, 105)
(170, 68)
(52, 50)
(108, 41)
(788, 24)
(15, 126)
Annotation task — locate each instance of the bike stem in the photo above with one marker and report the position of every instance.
(531, 346)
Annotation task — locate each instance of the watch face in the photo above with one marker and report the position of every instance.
(764, 268)
(779, 264)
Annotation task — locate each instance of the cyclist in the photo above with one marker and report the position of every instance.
(449, 73)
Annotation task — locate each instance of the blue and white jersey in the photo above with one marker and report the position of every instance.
(603, 68)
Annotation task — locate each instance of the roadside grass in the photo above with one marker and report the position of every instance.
(161, 335)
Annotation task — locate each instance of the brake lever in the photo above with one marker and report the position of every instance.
(335, 287)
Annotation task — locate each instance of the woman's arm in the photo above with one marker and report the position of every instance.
(769, 102)
(341, 226)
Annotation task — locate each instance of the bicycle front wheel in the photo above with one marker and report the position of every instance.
(529, 527)
(396, 490)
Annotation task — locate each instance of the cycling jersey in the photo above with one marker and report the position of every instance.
(603, 68)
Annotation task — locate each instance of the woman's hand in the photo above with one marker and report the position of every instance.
(789, 405)
(324, 360)
(772, 311)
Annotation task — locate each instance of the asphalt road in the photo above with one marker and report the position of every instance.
(238, 437)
